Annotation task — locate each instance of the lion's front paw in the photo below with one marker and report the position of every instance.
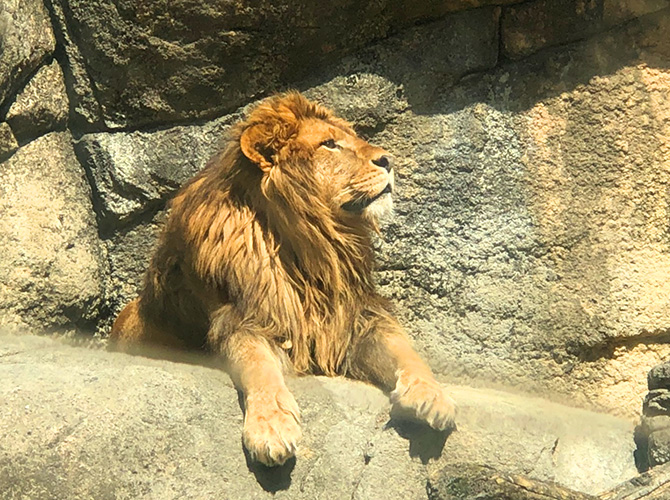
(271, 426)
(422, 398)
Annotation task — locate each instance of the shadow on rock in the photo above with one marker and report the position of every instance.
(271, 479)
(424, 441)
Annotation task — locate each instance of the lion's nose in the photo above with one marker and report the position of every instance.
(384, 161)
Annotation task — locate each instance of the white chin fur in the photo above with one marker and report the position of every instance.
(381, 209)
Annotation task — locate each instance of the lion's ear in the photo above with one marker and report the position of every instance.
(255, 144)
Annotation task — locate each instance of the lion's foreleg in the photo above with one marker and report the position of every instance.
(385, 357)
(271, 416)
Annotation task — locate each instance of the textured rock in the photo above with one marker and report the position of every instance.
(153, 62)
(115, 426)
(651, 485)
(528, 245)
(52, 268)
(129, 252)
(368, 100)
(530, 239)
(531, 26)
(659, 377)
(653, 433)
(8, 144)
(136, 171)
(26, 38)
(429, 59)
(86, 114)
(472, 482)
(421, 11)
(133, 172)
(41, 106)
(618, 11)
(659, 447)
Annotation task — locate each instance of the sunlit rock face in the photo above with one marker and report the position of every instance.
(160, 429)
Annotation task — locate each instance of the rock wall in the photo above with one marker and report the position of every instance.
(530, 243)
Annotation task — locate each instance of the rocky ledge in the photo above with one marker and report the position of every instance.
(85, 423)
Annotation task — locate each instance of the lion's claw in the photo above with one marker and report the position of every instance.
(422, 398)
(271, 427)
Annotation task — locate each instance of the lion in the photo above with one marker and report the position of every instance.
(266, 261)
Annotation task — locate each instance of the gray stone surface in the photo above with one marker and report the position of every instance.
(653, 433)
(53, 268)
(531, 26)
(153, 62)
(476, 482)
(530, 240)
(8, 144)
(659, 377)
(618, 11)
(41, 107)
(129, 252)
(26, 39)
(83, 423)
(651, 485)
(137, 171)
(85, 112)
(535, 25)
(425, 61)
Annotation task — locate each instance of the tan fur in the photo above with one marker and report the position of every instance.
(267, 254)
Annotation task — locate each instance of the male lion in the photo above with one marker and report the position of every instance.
(266, 257)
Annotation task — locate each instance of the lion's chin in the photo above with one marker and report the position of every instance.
(380, 209)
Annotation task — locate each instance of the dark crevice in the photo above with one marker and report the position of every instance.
(110, 227)
(96, 197)
(77, 124)
(67, 20)
(7, 156)
(606, 348)
(159, 126)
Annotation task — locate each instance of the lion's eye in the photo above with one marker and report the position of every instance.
(330, 144)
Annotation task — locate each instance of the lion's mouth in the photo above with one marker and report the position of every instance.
(359, 204)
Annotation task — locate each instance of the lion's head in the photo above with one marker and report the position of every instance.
(307, 155)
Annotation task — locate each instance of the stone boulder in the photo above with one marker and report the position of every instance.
(135, 172)
(84, 423)
(150, 63)
(532, 26)
(653, 433)
(8, 144)
(53, 266)
(41, 107)
(26, 39)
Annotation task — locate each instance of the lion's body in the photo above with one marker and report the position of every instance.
(269, 249)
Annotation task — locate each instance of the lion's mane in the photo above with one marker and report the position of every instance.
(261, 249)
